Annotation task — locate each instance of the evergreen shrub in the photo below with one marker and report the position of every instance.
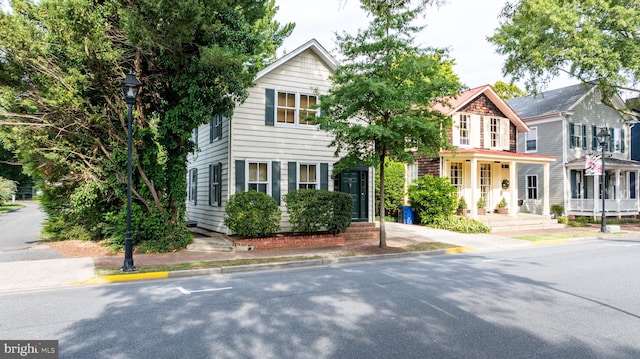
(252, 214)
(313, 210)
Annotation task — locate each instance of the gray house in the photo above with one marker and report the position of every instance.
(565, 123)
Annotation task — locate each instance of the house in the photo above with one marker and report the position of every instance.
(485, 161)
(565, 123)
(270, 145)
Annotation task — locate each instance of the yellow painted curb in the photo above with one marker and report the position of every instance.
(459, 250)
(135, 276)
(544, 242)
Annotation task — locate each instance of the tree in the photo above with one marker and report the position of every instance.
(508, 90)
(591, 40)
(381, 103)
(394, 179)
(61, 107)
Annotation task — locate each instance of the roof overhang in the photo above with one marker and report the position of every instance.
(479, 154)
(610, 163)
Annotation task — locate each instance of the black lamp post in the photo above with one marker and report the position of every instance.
(130, 87)
(603, 138)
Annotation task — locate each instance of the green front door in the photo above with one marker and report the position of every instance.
(355, 183)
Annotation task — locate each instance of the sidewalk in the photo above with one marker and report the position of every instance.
(16, 276)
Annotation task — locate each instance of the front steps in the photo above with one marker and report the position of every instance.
(362, 230)
(520, 222)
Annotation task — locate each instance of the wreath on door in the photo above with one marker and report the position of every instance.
(505, 184)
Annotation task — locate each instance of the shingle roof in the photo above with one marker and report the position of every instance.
(549, 102)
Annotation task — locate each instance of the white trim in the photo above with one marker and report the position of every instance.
(313, 45)
(527, 187)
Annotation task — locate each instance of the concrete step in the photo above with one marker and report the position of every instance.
(362, 230)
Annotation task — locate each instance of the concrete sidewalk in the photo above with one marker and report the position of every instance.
(30, 275)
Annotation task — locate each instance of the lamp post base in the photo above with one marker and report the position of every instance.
(128, 267)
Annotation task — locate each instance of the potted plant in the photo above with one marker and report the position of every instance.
(502, 206)
(462, 210)
(482, 206)
(556, 210)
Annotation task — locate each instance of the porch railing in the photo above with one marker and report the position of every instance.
(612, 206)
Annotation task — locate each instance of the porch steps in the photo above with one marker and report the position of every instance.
(209, 241)
(362, 230)
(520, 222)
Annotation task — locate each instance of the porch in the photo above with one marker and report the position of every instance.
(613, 207)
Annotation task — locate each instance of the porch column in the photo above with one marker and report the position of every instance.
(474, 188)
(513, 179)
(617, 193)
(545, 196)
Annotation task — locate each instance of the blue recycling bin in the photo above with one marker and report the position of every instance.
(407, 214)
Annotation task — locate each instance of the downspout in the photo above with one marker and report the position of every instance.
(229, 161)
(566, 187)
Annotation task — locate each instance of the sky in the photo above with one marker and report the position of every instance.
(462, 26)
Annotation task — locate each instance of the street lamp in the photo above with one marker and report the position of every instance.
(603, 138)
(130, 87)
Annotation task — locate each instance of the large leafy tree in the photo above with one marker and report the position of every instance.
(61, 66)
(381, 104)
(594, 41)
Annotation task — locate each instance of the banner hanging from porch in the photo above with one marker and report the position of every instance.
(592, 165)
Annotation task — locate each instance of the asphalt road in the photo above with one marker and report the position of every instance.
(576, 300)
(20, 233)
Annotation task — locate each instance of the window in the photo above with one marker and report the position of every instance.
(495, 132)
(532, 187)
(194, 136)
(215, 184)
(464, 129)
(193, 186)
(307, 176)
(258, 179)
(578, 136)
(296, 109)
(215, 128)
(531, 140)
(455, 176)
(485, 182)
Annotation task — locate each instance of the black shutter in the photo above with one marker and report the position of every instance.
(584, 137)
(622, 140)
(574, 189)
(269, 108)
(292, 168)
(240, 176)
(324, 176)
(572, 139)
(275, 181)
(594, 139)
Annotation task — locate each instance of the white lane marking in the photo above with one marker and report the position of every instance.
(186, 292)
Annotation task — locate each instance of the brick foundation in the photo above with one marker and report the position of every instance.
(315, 240)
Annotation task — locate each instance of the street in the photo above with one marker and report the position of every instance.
(576, 300)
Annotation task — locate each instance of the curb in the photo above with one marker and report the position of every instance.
(268, 266)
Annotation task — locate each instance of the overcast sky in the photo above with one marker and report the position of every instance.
(460, 25)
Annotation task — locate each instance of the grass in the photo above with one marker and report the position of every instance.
(8, 207)
(106, 271)
(559, 235)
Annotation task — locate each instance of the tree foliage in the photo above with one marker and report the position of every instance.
(381, 103)
(61, 107)
(593, 41)
(394, 179)
(508, 90)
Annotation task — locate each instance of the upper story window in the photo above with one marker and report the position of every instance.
(307, 176)
(531, 140)
(215, 128)
(495, 132)
(293, 108)
(215, 184)
(464, 129)
(577, 136)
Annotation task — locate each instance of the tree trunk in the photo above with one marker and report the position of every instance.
(383, 235)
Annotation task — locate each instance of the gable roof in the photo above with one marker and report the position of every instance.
(550, 102)
(455, 104)
(312, 45)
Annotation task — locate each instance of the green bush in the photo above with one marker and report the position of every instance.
(7, 190)
(459, 224)
(151, 232)
(394, 178)
(432, 197)
(252, 214)
(313, 210)
(557, 209)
